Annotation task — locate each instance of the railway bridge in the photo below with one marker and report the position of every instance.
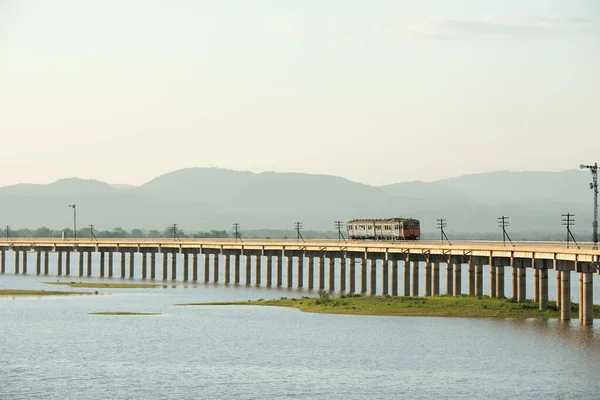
(329, 265)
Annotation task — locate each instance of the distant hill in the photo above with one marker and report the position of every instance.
(210, 198)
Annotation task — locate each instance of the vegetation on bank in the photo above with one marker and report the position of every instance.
(25, 293)
(436, 306)
(95, 285)
(123, 313)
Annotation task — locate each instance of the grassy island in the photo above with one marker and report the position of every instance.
(29, 293)
(102, 285)
(123, 313)
(437, 306)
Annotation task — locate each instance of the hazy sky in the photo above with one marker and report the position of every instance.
(377, 91)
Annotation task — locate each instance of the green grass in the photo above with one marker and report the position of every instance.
(438, 306)
(95, 285)
(123, 313)
(23, 293)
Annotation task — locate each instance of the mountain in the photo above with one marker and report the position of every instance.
(210, 198)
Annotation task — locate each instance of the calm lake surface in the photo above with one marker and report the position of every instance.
(52, 348)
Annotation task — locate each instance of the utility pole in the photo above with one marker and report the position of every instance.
(338, 226)
(8, 233)
(92, 236)
(236, 228)
(503, 222)
(74, 220)
(594, 186)
(175, 234)
(297, 227)
(568, 220)
(441, 224)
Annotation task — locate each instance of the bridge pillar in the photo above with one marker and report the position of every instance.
(492, 280)
(59, 263)
(300, 272)
(153, 264)
(395, 277)
(38, 262)
(173, 266)
(123, 264)
(247, 261)
(343, 274)
(352, 275)
(68, 263)
(514, 277)
(471, 277)
(331, 274)
(25, 262)
(132, 265)
(580, 298)
(227, 262)
(458, 279)
(279, 270)
(565, 296)
(289, 266)
(216, 267)
(46, 266)
(236, 269)
(311, 271)
(373, 278)
(478, 280)
(258, 272)
(2, 261)
(385, 279)
(543, 289)
(186, 266)
(415, 278)
(536, 283)
(145, 264)
(110, 263)
(363, 274)
(449, 279)
(521, 284)
(206, 266)
(500, 281)
(435, 278)
(588, 298)
(321, 268)
(17, 261)
(88, 263)
(558, 290)
(406, 280)
(269, 267)
(427, 283)
(195, 266)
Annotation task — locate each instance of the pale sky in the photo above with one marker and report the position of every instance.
(377, 91)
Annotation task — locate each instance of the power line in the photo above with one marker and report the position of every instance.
(594, 186)
(441, 224)
(503, 222)
(236, 228)
(8, 232)
(338, 226)
(92, 236)
(74, 220)
(175, 234)
(568, 220)
(297, 227)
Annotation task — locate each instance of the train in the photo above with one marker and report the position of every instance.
(384, 229)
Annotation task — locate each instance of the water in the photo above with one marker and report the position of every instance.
(52, 348)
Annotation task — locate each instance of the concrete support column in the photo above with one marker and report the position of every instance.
(449, 279)
(247, 259)
(435, 279)
(46, 266)
(289, 267)
(194, 266)
(173, 266)
(514, 278)
(228, 260)
(478, 280)
(457, 279)
(258, 272)
(123, 264)
(580, 298)
(558, 290)
(500, 281)
(206, 263)
(132, 264)
(311, 272)
(415, 278)
(38, 262)
(186, 266)
(67, 263)
(331, 274)
(565, 296)
(588, 298)
(216, 267)
(279, 270)
(300, 271)
(536, 282)
(110, 264)
(385, 280)
(153, 265)
(395, 277)
(492, 281)
(2, 262)
(521, 284)
(144, 264)
(269, 268)
(236, 269)
(343, 274)
(427, 283)
(17, 261)
(406, 277)
(59, 263)
(543, 288)
(373, 277)
(352, 277)
(25, 262)
(363, 275)
(321, 260)
(165, 262)
(471, 278)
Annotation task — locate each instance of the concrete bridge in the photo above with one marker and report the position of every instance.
(355, 272)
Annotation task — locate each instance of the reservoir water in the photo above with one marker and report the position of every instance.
(53, 348)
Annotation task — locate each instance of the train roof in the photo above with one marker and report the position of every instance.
(372, 220)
